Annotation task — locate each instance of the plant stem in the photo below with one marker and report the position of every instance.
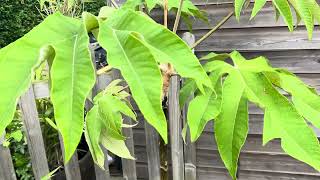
(165, 13)
(224, 20)
(176, 22)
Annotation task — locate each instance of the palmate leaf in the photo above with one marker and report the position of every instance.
(306, 10)
(254, 80)
(104, 125)
(66, 41)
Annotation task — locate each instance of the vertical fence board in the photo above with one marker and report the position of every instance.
(72, 168)
(33, 133)
(189, 148)
(152, 147)
(6, 166)
(175, 129)
(128, 166)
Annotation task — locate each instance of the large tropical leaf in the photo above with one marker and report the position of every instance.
(67, 41)
(252, 80)
(139, 68)
(72, 78)
(231, 126)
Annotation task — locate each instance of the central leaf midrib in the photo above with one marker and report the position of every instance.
(131, 67)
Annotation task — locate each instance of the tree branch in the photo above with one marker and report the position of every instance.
(176, 22)
(224, 20)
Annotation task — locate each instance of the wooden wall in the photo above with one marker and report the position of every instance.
(261, 36)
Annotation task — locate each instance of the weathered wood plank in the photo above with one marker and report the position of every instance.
(258, 39)
(6, 166)
(33, 133)
(72, 169)
(276, 163)
(175, 129)
(253, 175)
(153, 154)
(189, 148)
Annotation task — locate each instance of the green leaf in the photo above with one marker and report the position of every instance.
(69, 41)
(17, 135)
(165, 46)
(285, 11)
(231, 126)
(305, 100)
(284, 122)
(104, 125)
(202, 109)
(138, 67)
(238, 5)
(92, 134)
(258, 5)
(72, 78)
(189, 87)
(117, 147)
(213, 56)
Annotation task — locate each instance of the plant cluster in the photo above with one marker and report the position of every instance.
(147, 53)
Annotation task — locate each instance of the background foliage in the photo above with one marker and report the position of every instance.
(19, 16)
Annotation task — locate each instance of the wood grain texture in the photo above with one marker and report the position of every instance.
(175, 129)
(190, 155)
(34, 135)
(153, 154)
(72, 168)
(7, 171)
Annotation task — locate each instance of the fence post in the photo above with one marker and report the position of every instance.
(72, 168)
(34, 135)
(175, 129)
(6, 166)
(189, 148)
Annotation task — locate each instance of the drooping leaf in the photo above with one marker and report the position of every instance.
(139, 68)
(115, 146)
(238, 5)
(202, 109)
(62, 37)
(72, 78)
(189, 87)
(285, 11)
(305, 99)
(165, 46)
(231, 126)
(306, 10)
(92, 133)
(258, 5)
(283, 121)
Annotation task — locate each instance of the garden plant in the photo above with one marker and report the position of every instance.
(147, 54)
